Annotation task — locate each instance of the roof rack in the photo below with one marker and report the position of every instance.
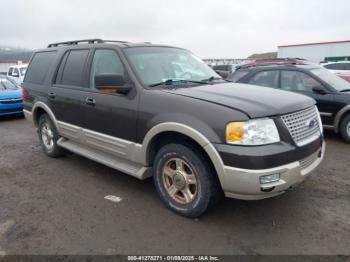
(88, 41)
(275, 61)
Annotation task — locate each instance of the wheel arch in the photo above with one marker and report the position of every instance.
(180, 130)
(40, 108)
(339, 117)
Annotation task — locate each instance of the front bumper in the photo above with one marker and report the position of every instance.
(245, 184)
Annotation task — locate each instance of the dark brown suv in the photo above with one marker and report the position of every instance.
(151, 110)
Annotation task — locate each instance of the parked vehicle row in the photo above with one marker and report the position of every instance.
(330, 91)
(10, 97)
(17, 73)
(134, 107)
(225, 70)
(341, 69)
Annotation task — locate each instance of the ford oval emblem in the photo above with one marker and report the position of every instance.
(312, 123)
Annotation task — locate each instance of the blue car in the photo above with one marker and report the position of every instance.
(10, 97)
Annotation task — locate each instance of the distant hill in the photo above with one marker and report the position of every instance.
(270, 55)
(14, 53)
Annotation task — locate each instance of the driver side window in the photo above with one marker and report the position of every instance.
(297, 81)
(106, 62)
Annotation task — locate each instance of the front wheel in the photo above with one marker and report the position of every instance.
(186, 182)
(345, 128)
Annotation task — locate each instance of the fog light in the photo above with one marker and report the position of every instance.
(269, 178)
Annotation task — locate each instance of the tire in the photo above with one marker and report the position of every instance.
(345, 128)
(47, 130)
(194, 167)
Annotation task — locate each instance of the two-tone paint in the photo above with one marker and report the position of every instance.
(121, 131)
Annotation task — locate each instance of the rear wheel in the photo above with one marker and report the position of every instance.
(184, 179)
(345, 128)
(48, 137)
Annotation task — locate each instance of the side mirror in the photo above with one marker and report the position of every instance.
(111, 83)
(319, 90)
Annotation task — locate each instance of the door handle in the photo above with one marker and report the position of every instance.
(90, 101)
(52, 95)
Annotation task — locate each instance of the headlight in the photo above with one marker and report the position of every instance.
(253, 132)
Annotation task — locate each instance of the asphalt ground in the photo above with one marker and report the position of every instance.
(58, 206)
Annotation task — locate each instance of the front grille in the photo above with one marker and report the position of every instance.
(304, 126)
(10, 101)
(307, 161)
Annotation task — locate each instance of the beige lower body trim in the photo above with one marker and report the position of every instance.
(28, 116)
(245, 184)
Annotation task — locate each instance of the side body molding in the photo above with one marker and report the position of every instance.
(127, 156)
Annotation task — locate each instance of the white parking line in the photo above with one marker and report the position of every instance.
(112, 198)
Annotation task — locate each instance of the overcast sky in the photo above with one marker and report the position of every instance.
(220, 28)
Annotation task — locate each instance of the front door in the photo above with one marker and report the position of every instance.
(303, 83)
(111, 114)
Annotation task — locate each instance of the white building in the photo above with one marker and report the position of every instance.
(317, 52)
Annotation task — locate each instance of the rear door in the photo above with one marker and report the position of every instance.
(68, 93)
(303, 83)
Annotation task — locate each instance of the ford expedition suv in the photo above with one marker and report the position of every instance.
(128, 106)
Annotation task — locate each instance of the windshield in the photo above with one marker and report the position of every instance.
(159, 64)
(6, 83)
(330, 78)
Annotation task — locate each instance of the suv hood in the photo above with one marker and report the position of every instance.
(255, 101)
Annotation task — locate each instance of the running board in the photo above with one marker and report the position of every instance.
(123, 165)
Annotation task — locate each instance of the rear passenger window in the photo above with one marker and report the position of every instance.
(72, 68)
(39, 66)
(265, 78)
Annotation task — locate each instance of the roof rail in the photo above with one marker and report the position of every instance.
(75, 42)
(115, 41)
(275, 61)
(88, 41)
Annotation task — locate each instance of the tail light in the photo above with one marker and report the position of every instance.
(24, 94)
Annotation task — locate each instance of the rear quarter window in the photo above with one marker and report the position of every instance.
(39, 67)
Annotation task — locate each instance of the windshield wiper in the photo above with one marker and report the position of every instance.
(177, 81)
(212, 78)
(344, 90)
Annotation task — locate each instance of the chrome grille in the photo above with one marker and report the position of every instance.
(304, 126)
(307, 161)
